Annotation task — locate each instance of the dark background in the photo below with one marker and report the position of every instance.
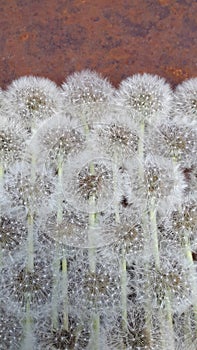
(53, 38)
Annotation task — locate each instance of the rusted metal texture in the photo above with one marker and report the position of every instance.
(53, 38)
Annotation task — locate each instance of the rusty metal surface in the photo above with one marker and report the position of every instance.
(53, 38)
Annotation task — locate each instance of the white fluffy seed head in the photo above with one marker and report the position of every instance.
(55, 140)
(117, 135)
(185, 101)
(27, 188)
(89, 184)
(60, 337)
(173, 139)
(163, 182)
(88, 94)
(145, 97)
(12, 141)
(22, 286)
(12, 233)
(32, 100)
(11, 329)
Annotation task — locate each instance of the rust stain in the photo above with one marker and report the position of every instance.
(164, 2)
(24, 36)
(178, 73)
(116, 38)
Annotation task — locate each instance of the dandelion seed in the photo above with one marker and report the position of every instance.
(145, 97)
(185, 101)
(90, 176)
(116, 135)
(75, 337)
(163, 182)
(55, 140)
(25, 192)
(88, 95)
(12, 142)
(11, 330)
(18, 283)
(32, 100)
(174, 140)
(94, 291)
(12, 233)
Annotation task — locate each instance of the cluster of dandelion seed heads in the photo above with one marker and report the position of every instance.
(98, 214)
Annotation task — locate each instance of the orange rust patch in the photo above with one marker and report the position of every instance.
(24, 36)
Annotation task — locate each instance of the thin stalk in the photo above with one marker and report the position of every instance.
(28, 343)
(123, 264)
(123, 272)
(192, 272)
(30, 222)
(28, 329)
(58, 260)
(168, 310)
(92, 266)
(141, 151)
(56, 267)
(65, 291)
(145, 220)
(189, 257)
(30, 242)
(1, 185)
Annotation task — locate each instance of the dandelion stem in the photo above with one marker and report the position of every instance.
(30, 243)
(28, 331)
(192, 272)
(56, 266)
(1, 185)
(65, 291)
(92, 264)
(168, 310)
(30, 222)
(148, 309)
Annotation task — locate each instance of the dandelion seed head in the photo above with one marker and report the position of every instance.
(75, 337)
(27, 191)
(32, 100)
(117, 136)
(146, 97)
(163, 182)
(176, 140)
(185, 101)
(90, 179)
(98, 290)
(12, 233)
(55, 140)
(88, 94)
(21, 285)
(11, 330)
(12, 141)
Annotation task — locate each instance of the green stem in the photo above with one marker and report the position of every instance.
(30, 221)
(56, 267)
(153, 223)
(28, 330)
(1, 184)
(145, 223)
(123, 264)
(168, 310)
(96, 331)
(30, 243)
(123, 273)
(57, 260)
(95, 337)
(65, 291)
(141, 151)
(192, 273)
(192, 270)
